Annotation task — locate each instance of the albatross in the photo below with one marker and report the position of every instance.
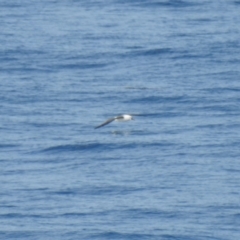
(120, 118)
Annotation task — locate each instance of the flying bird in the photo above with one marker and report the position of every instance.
(121, 118)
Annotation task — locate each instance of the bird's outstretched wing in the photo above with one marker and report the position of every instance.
(106, 122)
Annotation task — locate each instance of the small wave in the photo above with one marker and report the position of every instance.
(77, 147)
(168, 4)
(152, 52)
(8, 145)
(19, 215)
(81, 66)
(222, 90)
(99, 147)
(156, 99)
(121, 235)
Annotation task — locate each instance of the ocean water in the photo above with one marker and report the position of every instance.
(171, 174)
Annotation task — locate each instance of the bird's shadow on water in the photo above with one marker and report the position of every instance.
(129, 132)
(121, 133)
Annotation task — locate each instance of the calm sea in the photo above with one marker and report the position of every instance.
(171, 174)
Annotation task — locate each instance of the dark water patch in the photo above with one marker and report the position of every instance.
(219, 126)
(81, 66)
(40, 190)
(21, 54)
(48, 124)
(232, 170)
(135, 47)
(75, 214)
(16, 172)
(151, 52)
(143, 145)
(210, 126)
(10, 4)
(156, 99)
(8, 206)
(4, 58)
(85, 147)
(219, 75)
(163, 53)
(237, 216)
(189, 236)
(171, 4)
(111, 190)
(96, 56)
(142, 88)
(24, 52)
(78, 147)
(98, 191)
(7, 146)
(65, 192)
(217, 146)
(202, 20)
(237, 3)
(19, 215)
(29, 234)
(220, 108)
(165, 114)
(221, 90)
(100, 147)
(121, 236)
(188, 55)
(222, 208)
(152, 213)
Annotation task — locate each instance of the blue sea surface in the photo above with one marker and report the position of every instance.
(171, 174)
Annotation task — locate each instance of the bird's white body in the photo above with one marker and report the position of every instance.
(121, 118)
(124, 118)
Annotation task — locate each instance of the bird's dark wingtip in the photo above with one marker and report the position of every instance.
(98, 126)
